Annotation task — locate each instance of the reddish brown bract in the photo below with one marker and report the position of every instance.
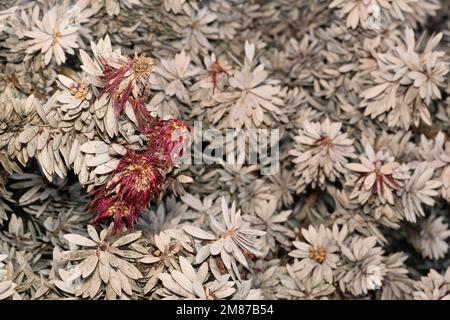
(217, 69)
(127, 84)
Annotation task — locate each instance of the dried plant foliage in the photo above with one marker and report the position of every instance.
(97, 104)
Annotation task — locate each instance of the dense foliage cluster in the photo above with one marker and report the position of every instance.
(99, 105)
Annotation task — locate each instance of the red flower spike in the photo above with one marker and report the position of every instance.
(171, 137)
(139, 176)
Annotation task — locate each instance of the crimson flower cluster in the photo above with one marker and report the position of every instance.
(140, 175)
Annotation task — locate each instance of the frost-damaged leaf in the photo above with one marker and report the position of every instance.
(98, 160)
(182, 280)
(27, 196)
(151, 283)
(93, 233)
(173, 286)
(118, 149)
(125, 283)
(187, 269)
(202, 254)
(114, 281)
(63, 286)
(6, 289)
(129, 254)
(249, 50)
(375, 91)
(184, 179)
(95, 283)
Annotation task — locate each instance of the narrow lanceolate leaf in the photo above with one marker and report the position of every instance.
(182, 280)
(375, 91)
(114, 282)
(104, 267)
(61, 285)
(128, 269)
(27, 196)
(93, 233)
(129, 254)
(77, 254)
(127, 239)
(80, 240)
(94, 147)
(95, 284)
(88, 265)
(151, 283)
(184, 179)
(171, 285)
(198, 290)
(202, 254)
(199, 233)
(98, 160)
(107, 167)
(187, 269)
(118, 149)
(125, 283)
(150, 259)
(27, 134)
(358, 167)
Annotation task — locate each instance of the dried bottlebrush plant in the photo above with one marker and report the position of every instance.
(243, 149)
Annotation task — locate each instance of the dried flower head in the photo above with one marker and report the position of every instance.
(318, 254)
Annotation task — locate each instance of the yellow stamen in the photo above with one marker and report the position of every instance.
(317, 254)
